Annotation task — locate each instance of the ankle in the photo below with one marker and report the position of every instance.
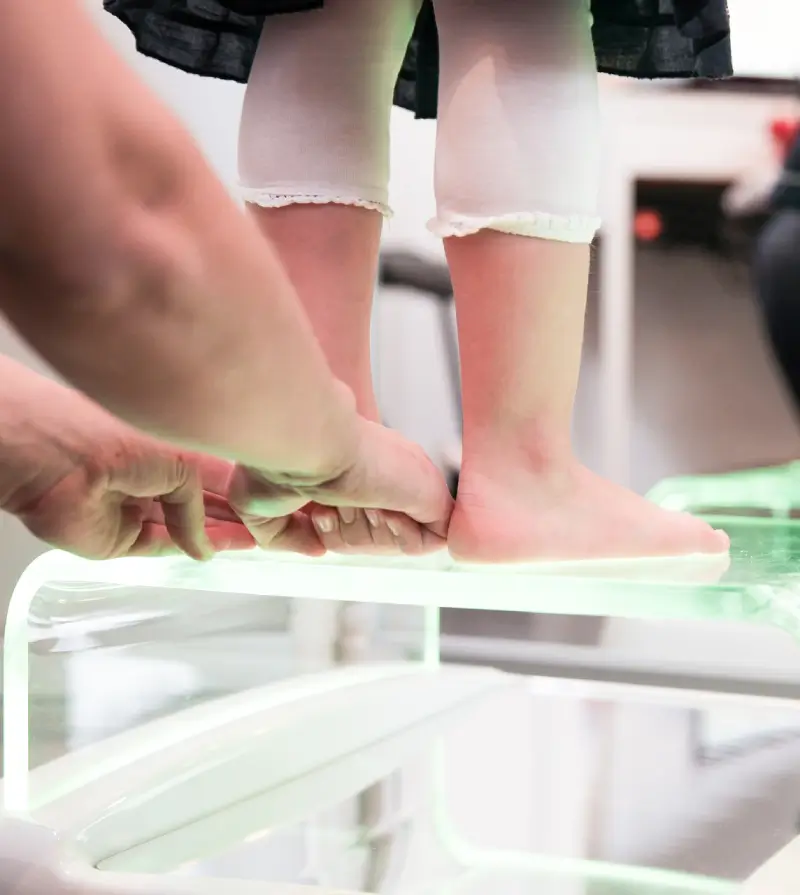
(530, 448)
(358, 378)
(367, 405)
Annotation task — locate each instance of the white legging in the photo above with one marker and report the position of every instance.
(517, 145)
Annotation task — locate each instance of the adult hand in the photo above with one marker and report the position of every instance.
(389, 498)
(138, 498)
(85, 482)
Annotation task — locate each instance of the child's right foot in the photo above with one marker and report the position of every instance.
(506, 512)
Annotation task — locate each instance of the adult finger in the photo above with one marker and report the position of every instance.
(393, 474)
(229, 536)
(154, 539)
(354, 526)
(252, 495)
(215, 473)
(271, 513)
(218, 508)
(353, 531)
(434, 537)
(293, 533)
(223, 526)
(185, 520)
(406, 533)
(175, 482)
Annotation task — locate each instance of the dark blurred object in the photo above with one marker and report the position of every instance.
(429, 278)
(777, 271)
(787, 190)
(777, 275)
(751, 201)
(410, 271)
(671, 214)
(721, 217)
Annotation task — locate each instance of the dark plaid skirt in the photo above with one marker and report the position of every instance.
(636, 38)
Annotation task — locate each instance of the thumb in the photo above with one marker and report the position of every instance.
(171, 478)
(252, 494)
(270, 513)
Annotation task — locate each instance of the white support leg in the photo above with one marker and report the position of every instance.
(616, 324)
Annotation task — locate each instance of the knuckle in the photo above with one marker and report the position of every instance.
(252, 495)
(186, 471)
(265, 531)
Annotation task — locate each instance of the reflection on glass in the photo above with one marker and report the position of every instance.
(540, 787)
(103, 660)
(288, 720)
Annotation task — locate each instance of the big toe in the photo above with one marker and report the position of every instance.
(703, 537)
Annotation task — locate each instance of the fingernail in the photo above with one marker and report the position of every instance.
(373, 517)
(324, 524)
(393, 527)
(348, 515)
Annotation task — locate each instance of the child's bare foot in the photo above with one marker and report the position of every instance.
(355, 530)
(375, 532)
(513, 514)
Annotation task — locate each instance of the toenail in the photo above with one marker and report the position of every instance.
(348, 515)
(373, 517)
(393, 527)
(324, 524)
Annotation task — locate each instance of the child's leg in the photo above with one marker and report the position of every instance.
(314, 162)
(314, 166)
(517, 182)
(331, 253)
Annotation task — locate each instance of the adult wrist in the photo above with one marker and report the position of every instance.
(22, 449)
(41, 426)
(336, 447)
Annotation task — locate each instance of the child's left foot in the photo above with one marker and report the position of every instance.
(508, 514)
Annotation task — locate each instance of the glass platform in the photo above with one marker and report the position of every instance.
(265, 722)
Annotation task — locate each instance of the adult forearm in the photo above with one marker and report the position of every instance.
(134, 274)
(35, 450)
(198, 338)
(17, 432)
